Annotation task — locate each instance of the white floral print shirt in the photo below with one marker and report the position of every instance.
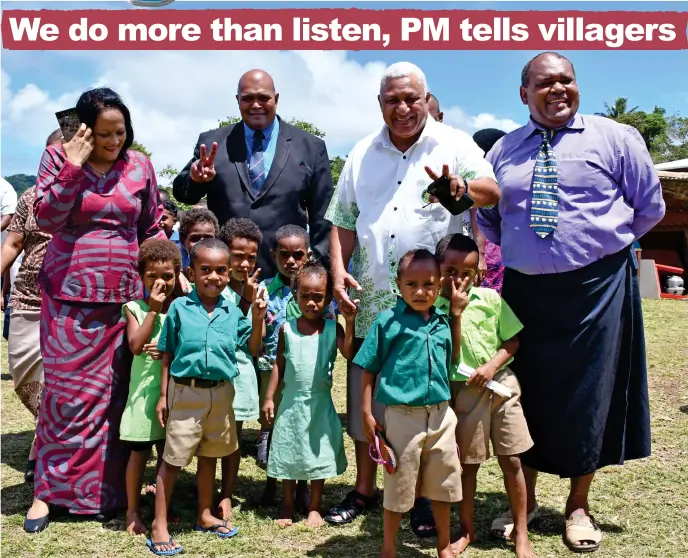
(381, 195)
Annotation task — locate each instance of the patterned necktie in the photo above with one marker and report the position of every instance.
(545, 196)
(256, 169)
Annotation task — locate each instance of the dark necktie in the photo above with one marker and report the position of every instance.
(256, 168)
(544, 208)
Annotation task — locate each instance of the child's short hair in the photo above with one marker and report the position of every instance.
(419, 254)
(171, 207)
(194, 216)
(289, 231)
(208, 244)
(156, 250)
(240, 228)
(457, 241)
(310, 268)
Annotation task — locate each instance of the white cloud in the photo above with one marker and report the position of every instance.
(174, 96)
(455, 116)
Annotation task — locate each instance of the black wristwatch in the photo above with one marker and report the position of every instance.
(465, 183)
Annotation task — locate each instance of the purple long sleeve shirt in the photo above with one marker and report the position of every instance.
(609, 195)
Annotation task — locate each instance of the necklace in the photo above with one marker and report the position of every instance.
(99, 172)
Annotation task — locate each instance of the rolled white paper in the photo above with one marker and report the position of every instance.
(494, 386)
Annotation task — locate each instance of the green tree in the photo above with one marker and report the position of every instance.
(136, 146)
(619, 107)
(666, 137)
(673, 144)
(652, 126)
(21, 182)
(336, 166)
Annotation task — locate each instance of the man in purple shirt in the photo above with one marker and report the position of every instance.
(576, 192)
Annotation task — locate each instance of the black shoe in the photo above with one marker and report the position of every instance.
(29, 473)
(103, 517)
(36, 525)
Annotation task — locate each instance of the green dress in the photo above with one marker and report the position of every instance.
(140, 421)
(307, 439)
(246, 383)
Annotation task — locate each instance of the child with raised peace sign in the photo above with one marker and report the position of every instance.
(159, 265)
(243, 239)
(488, 341)
(413, 346)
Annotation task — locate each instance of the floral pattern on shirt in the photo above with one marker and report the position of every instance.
(26, 291)
(345, 219)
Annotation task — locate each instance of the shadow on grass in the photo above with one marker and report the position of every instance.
(550, 522)
(488, 506)
(15, 449)
(683, 409)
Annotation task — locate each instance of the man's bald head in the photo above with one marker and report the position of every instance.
(257, 99)
(256, 76)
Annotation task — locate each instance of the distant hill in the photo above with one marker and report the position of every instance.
(21, 182)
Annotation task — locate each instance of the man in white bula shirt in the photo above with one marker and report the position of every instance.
(379, 211)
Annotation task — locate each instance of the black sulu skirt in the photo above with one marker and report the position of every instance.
(582, 366)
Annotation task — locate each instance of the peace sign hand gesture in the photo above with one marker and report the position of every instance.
(260, 306)
(79, 148)
(250, 285)
(459, 297)
(456, 184)
(203, 169)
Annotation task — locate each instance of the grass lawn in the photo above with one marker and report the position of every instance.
(642, 507)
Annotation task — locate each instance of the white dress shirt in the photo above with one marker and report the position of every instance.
(381, 195)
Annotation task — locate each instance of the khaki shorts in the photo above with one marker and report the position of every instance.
(354, 407)
(262, 392)
(201, 422)
(423, 439)
(483, 416)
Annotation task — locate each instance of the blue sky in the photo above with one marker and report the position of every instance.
(469, 84)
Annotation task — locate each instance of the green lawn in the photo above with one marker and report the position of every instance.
(642, 507)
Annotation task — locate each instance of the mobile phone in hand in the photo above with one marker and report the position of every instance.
(440, 189)
(69, 123)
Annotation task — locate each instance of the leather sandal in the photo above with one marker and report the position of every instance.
(353, 505)
(582, 533)
(421, 516)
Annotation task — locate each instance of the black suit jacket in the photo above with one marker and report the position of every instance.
(299, 181)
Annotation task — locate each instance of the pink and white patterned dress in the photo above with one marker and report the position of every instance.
(89, 271)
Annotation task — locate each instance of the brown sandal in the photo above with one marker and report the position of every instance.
(582, 533)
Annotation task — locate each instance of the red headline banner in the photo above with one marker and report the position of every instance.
(341, 29)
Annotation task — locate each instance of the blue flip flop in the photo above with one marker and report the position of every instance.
(214, 530)
(153, 548)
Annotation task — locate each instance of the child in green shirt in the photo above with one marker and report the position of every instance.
(159, 265)
(199, 342)
(489, 340)
(243, 238)
(412, 347)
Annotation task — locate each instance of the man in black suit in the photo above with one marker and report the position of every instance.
(264, 169)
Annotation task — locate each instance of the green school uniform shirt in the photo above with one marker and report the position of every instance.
(411, 355)
(204, 346)
(486, 323)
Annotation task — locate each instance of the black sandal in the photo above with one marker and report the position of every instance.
(351, 507)
(421, 516)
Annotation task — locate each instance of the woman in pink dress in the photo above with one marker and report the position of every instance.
(99, 199)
